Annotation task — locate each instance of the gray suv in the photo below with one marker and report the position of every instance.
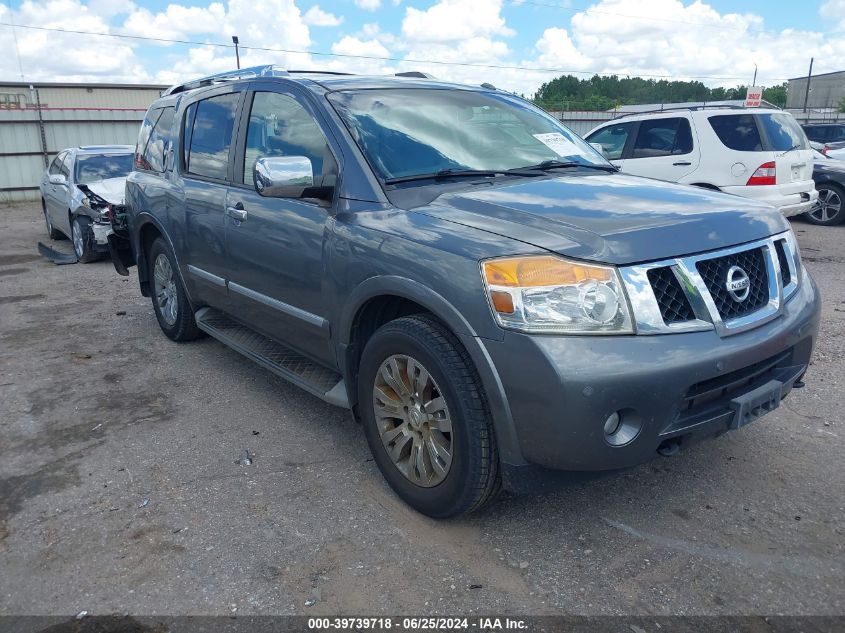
(489, 297)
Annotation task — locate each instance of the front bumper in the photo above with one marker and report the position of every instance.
(674, 388)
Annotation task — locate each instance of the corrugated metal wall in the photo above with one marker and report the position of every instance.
(70, 116)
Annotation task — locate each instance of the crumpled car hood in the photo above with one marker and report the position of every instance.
(610, 218)
(112, 189)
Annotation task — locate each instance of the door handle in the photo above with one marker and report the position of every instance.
(236, 213)
(684, 163)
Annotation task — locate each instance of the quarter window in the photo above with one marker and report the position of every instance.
(612, 139)
(144, 137)
(737, 131)
(663, 137)
(211, 136)
(153, 156)
(280, 126)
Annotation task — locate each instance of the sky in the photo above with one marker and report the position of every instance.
(513, 44)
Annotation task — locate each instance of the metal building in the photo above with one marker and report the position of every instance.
(39, 120)
(826, 91)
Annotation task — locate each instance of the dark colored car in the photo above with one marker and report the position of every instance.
(829, 176)
(825, 132)
(476, 283)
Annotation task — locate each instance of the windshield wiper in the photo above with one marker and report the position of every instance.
(559, 164)
(442, 174)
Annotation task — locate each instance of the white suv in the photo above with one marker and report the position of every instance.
(756, 153)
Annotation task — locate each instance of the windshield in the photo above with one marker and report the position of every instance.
(410, 132)
(94, 167)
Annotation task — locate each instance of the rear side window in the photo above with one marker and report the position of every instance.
(737, 131)
(211, 136)
(782, 132)
(612, 139)
(144, 137)
(158, 141)
(663, 137)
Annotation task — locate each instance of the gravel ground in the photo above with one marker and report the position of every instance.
(119, 491)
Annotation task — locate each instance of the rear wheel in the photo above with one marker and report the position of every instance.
(426, 418)
(54, 233)
(828, 210)
(83, 239)
(170, 302)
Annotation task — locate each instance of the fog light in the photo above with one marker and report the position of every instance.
(611, 425)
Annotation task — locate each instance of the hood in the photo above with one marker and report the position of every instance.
(612, 218)
(111, 189)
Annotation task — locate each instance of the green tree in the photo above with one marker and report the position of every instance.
(841, 105)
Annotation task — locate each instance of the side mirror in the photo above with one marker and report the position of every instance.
(599, 148)
(57, 179)
(287, 177)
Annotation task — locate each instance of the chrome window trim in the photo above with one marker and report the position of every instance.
(646, 311)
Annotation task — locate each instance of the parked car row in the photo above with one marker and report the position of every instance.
(755, 153)
(479, 286)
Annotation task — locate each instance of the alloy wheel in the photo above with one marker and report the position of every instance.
(413, 420)
(78, 242)
(164, 283)
(828, 207)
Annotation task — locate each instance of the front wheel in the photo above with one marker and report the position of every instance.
(426, 418)
(828, 210)
(83, 239)
(170, 302)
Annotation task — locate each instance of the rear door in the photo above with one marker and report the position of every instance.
(276, 248)
(663, 149)
(51, 191)
(208, 130)
(614, 138)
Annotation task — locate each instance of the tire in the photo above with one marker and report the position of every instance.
(52, 232)
(170, 302)
(471, 479)
(82, 237)
(830, 209)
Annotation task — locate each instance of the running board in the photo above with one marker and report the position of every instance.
(324, 383)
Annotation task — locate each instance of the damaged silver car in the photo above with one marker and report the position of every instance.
(81, 191)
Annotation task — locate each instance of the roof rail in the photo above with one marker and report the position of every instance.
(677, 108)
(230, 75)
(415, 73)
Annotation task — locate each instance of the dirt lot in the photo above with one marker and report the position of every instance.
(119, 491)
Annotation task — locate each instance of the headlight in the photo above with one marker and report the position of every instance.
(796, 253)
(544, 293)
(86, 202)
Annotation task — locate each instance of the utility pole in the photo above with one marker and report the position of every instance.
(754, 81)
(807, 91)
(237, 53)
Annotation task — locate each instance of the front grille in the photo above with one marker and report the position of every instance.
(714, 273)
(785, 276)
(673, 302)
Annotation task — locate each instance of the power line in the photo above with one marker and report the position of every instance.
(558, 71)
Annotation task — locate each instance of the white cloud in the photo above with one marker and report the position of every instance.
(834, 11)
(315, 16)
(454, 20)
(354, 46)
(368, 5)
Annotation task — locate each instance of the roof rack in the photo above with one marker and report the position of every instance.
(704, 106)
(230, 75)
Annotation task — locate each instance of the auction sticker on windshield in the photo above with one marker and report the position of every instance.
(559, 144)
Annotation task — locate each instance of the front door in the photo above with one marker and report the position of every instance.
(275, 245)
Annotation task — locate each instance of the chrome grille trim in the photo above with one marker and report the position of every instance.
(646, 312)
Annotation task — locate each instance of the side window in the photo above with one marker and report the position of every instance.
(612, 139)
(737, 131)
(56, 165)
(187, 126)
(280, 126)
(159, 138)
(144, 137)
(211, 136)
(663, 137)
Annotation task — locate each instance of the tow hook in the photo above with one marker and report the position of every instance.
(668, 448)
